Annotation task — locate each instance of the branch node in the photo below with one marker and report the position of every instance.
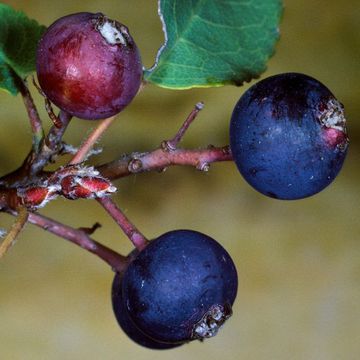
(226, 150)
(200, 105)
(90, 230)
(167, 146)
(203, 166)
(135, 165)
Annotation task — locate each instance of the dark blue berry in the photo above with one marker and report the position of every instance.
(180, 287)
(288, 136)
(125, 322)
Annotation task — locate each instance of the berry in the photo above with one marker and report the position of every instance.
(288, 136)
(180, 287)
(125, 322)
(88, 65)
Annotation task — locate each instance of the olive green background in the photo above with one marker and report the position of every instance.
(298, 261)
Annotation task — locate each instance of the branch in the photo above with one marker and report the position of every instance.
(167, 155)
(160, 159)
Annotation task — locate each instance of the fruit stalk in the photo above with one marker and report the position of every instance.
(135, 236)
(85, 148)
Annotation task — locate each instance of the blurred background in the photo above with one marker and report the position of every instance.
(298, 261)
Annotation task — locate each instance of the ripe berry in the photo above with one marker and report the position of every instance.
(288, 136)
(88, 65)
(180, 287)
(125, 322)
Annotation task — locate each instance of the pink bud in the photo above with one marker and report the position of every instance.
(86, 187)
(37, 197)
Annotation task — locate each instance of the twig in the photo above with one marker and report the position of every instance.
(35, 121)
(54, 137)
(85, 148)
(34, 163)
(48, 106)
(51, 113)
(116, 261)
(160, 159)
(14, 232)
(90, 230)
(135, 236)
(127, 165)
(172, 144)
(52, 144)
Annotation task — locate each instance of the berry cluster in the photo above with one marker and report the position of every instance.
(182, 285)
(287, 137)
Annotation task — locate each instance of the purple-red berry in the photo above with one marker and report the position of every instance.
(89, 65)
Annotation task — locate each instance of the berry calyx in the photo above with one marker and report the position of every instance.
(288, 136)
(88, 65)
(180, 287)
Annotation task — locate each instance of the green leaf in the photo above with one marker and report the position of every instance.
(19, 36)
(214, 42)
(8, 79)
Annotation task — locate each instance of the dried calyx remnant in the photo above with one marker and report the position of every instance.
(112, 31)
(331, 117)
(211, 322)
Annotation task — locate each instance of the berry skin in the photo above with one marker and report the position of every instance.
(125, 322)
(88, 65)
(180, 287)
(288, 136)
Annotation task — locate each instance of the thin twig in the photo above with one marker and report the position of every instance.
(116, 261)
(52, 144)
(51, 113)
(160, 159)
(85, 148)
(135, 236)
(54, 137)
(10, 238)
(90, 230)
(35, 121)
(34, 163)
(173, 143)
